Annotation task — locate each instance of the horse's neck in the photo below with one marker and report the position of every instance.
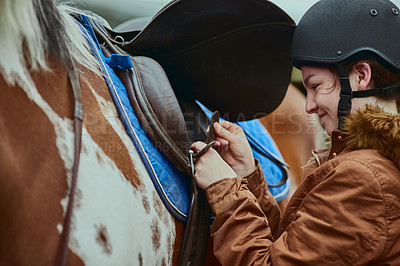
(34, 129)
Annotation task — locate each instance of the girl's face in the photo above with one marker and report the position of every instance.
(323, 94)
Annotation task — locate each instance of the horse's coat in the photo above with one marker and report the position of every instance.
(118, 217)
(101, 233)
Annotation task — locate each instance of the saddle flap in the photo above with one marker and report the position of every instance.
(162, 100)
(231, 55)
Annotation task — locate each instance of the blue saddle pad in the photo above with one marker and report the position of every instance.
(171, 184)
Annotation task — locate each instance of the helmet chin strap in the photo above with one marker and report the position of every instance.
(346, 94)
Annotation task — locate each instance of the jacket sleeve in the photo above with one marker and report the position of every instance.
(258, 186)
(332, 225)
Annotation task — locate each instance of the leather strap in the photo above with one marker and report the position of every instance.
(385, 91)
(197, 230)
(62, 251)
(346, 95)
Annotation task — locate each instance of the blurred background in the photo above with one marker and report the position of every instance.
(118, 11)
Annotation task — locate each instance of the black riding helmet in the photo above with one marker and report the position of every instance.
(336, 33)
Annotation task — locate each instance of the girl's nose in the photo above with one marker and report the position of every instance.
(311, 106)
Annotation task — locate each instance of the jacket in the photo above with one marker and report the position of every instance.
(346, 211)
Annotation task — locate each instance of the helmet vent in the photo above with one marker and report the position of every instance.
(395, 11)
(373, 12)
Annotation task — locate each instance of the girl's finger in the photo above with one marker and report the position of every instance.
(197, 146)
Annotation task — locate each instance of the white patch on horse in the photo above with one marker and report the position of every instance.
(109, 200)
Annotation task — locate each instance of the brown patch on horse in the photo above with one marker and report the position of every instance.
(156, 235)
(159, 207)
(100, 129)
(33, 177)
(73, 259)
(140, 259)
(146, 203)
(180, 229)
(99, 159)
(103, 239)
(51, 87)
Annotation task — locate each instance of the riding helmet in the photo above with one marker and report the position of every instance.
(334, 31)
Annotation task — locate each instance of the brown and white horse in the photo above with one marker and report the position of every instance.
(118, 217)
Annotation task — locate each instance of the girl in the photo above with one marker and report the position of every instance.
(347, 209)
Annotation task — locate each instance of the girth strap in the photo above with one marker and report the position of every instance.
(197, 230)
(62, 251)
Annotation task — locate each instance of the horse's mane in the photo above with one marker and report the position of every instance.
(31, 30)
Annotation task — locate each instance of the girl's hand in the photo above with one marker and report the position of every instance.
(210, 167)
(234, 148)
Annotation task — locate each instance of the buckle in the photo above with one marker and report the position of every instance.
(191, 154)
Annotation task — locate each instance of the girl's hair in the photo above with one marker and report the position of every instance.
(381, 77)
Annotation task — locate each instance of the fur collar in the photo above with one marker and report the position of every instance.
(375, 129)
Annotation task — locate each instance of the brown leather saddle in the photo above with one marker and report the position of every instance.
(231, 55)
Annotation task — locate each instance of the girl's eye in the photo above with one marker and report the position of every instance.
(323, 89)
(314, 87)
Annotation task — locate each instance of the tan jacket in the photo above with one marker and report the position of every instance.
(345, 212)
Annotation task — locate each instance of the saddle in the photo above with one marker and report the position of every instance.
(231, 55)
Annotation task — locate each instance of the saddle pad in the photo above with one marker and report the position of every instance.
(171, 184)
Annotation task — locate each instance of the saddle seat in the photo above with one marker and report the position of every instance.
(231, 55)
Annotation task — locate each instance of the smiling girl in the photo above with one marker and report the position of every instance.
(346, 211)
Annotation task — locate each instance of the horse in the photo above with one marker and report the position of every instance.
(118, 217)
